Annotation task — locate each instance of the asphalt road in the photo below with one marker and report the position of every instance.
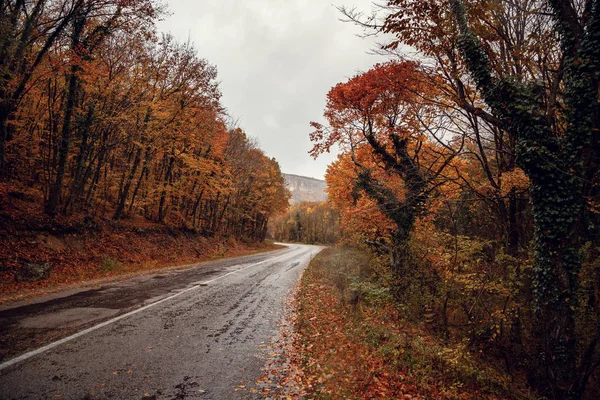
(191, 333)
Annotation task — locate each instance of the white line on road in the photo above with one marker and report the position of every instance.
(52, 345)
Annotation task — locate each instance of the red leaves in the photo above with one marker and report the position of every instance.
(386, 93)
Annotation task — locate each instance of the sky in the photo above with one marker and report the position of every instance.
(276, 59)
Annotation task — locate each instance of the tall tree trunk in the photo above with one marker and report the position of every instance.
(125, 191)
(79, 171)
(4, 137)
(513, 224)
(195, 209)
(219, 221)
(557, 261)
(554, 164)
(145, 171)
(163, 195)
(63, 153)
(213, 213)
(96, 177)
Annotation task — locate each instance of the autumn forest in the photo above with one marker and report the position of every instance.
(474, 168)
(103, 131)
(466, 191)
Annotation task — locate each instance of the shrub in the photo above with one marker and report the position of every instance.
(108, 263)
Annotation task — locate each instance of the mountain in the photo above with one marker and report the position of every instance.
(304, 188)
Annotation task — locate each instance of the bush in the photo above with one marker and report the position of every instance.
(108, 263)
(372, 294)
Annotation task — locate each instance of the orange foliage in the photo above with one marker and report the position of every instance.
(391, 162)
(145, 133)
(360, 217)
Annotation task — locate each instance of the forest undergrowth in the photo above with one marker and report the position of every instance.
(352, 342)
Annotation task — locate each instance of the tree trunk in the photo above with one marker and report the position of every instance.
(4, 137)
(556, 208)
(145, 171)
(96, 177)
(195, 209)
(79, 172)
(163, 195)
(125, 191)
(63, 152)
(554, 164)
(513, 227)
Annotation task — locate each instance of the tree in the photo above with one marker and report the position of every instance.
(307, 222)
(257, 189)
(384, 110)
(556, 151)
(536, 92)
(522, 40)
(28, 30)
(102, 132)
(92, 23)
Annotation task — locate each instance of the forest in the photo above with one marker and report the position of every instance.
(468, 176)
(470, 166)
(307, 222)
(103, 117)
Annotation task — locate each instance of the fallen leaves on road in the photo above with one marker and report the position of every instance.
(283, 376)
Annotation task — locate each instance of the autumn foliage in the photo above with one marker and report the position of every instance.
(473, 168)
(116, 153)
(307, 222)
(103, 117)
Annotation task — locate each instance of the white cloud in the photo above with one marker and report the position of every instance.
(277, 59)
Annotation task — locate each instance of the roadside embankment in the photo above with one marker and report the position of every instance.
(39, 255)
(351, 341)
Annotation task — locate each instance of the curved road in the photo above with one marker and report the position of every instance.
(188, 333)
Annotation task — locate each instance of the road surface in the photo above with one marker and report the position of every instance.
(192, 333)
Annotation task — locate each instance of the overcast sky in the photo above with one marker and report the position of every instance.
(277, 59)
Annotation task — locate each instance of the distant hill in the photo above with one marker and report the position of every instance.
(304, 188)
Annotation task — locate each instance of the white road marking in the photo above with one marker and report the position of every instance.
(52, 345)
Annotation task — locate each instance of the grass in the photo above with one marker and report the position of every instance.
(108, 263)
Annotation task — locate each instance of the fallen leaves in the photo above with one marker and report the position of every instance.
(325, 350)
(283, 375)
(136, 246)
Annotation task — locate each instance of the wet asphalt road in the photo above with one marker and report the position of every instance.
(184, 334)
